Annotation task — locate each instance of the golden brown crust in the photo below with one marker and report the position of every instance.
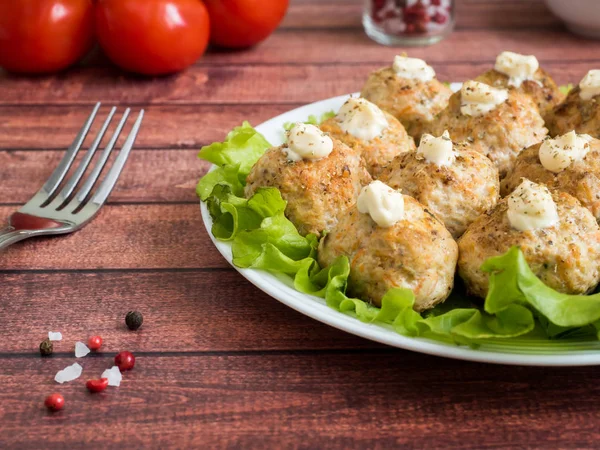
(379, 151)
(500, 134)
(417, 253)
(565, 257)
(583, 116)
(543, 89)
(412, 102)
(316, 191)
(457, 194)
(581, 179)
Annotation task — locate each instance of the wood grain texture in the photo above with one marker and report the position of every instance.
(143, 180)
(141, 236)
(255, 84)
(504, 14)
(314, 15)
(184, 311)
(371, 399)
(322, 46)
(164, 126)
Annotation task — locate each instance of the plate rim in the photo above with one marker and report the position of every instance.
(316, 309)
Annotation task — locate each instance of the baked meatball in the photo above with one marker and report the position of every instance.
(416, 252)
(523, 73)
(580, 111)
(376, 135)
(581, 178)
(316, 190)
(565, 255)
(414, 97)
(500, 133)
(457, 191)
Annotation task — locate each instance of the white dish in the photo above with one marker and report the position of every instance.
(535, 353)
(581, 16)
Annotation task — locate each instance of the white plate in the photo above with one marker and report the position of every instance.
(537, 353)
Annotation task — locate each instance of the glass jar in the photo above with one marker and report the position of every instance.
(408, 22)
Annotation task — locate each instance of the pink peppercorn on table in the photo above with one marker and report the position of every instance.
(218, 363)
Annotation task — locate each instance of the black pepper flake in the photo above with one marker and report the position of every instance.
(46, 347)
(134, 320)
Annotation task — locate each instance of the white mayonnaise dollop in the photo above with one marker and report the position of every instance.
(531, 207)
(307, 142)
(517, 67)
(413, 68)
(362, 119)
(589, 86)
(558, 154)
(437, 150)
(382, 203)
(479, 98)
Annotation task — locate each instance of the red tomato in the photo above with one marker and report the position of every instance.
(152, 37)
(243, 23)
(39, 36)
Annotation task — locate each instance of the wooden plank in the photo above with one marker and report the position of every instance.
(234, 85)
(149, 176)
(122, 236)
(311, 15)
(183, 311)
(181, 126)
(377, 399)
(353, 46)
(504, 14)
(470, 14)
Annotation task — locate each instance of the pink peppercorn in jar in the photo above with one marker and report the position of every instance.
(408, 22)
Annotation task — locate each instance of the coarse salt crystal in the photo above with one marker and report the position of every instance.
(114, 376)
(69, 373)
(55, 335)
(81, 350)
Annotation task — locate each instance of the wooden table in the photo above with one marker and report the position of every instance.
(219, 364)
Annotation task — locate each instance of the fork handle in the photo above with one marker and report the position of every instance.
(10, 235)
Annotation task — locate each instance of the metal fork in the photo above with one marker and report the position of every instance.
(49, 212)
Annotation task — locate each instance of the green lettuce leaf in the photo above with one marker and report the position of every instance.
(242, 148)
(234, 158)
(274, 243)
(230, 213)
(512, 281)
(330, 283)
(460, 325)
(226, 175)
(262, 237)
(565, 88)
(312, 120)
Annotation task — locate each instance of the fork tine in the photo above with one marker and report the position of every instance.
(113, 175)
(67, 190)
(93, 177)
(65, 164)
